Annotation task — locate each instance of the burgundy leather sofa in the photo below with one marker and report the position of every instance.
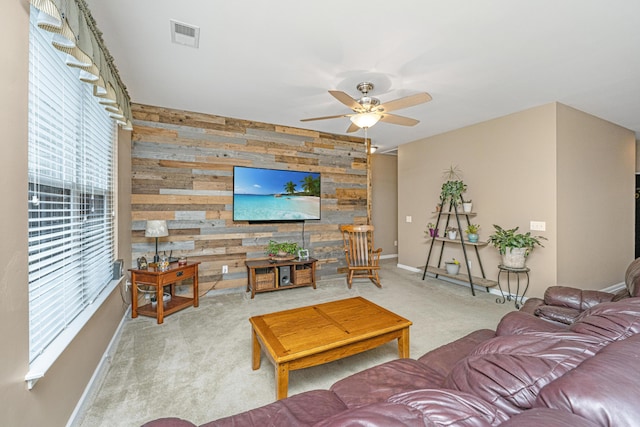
(564, 304)
(528, 372)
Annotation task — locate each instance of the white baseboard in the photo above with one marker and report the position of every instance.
(389, 256)
(610, 289)
(100, 372)
(454, 281)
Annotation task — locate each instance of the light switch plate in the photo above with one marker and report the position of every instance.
(537, 225)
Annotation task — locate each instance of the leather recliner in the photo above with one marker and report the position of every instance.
(563, 304)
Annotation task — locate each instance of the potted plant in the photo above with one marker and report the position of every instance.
(451, 192)
(431, 229)
(467, 206)
(281, 250)
(472, 232)
(513, 246)
(453, 266)
(452, 232)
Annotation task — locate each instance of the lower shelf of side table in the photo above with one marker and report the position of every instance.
(177, 303)
(463, 277)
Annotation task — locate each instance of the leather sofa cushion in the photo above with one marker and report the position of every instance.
(544, 417)
(509, 371)
(518, 322)
(451, 408)
(603, 388)
(383, 414)
(443, 359)
(303, 409)
(376, 384)
(610, 320)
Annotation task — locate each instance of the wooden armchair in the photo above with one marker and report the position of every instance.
(362, 259)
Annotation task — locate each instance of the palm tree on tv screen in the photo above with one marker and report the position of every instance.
(311, 186)
(290, 187)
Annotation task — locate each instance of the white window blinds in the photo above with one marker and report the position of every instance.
(71, 183)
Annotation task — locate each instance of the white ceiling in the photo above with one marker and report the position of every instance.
(273, 61)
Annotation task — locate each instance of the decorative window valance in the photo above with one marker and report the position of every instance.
(75, 32)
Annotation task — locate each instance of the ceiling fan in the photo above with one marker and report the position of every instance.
(367, 110)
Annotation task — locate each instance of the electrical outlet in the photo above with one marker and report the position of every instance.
(408, 218)
(469, 262)
(395, 243)
(225, 269)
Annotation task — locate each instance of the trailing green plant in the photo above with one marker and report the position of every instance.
(472, 229)
(431, 226)
(273, 248)
(451, 192)
(503, 239)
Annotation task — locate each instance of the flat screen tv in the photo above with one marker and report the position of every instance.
(263, 195)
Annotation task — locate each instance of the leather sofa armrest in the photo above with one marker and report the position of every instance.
(565, 296)
(531, 304)
(591, 298)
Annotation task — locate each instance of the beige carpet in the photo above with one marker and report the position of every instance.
(197, 365)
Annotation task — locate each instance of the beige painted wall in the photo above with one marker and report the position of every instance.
(511, 165)
(384, 202)
(55, 396)
(596, 200)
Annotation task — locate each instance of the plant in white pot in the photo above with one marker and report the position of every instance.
(452, 267)
(513, 246)
(452, 232)
(451, 192)
(467, 205)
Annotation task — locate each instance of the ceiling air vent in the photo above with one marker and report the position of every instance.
(184, 34)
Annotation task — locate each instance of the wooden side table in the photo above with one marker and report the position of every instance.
(160, 279)
(517, 272)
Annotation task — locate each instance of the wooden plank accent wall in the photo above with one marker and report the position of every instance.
(182, 172)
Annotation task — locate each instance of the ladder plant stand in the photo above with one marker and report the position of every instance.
(465, 276)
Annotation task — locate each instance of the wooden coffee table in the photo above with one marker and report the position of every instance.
(317, 334)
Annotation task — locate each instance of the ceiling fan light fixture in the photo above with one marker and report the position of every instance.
(365, 120)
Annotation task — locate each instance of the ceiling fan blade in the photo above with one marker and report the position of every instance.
(398, 120)
(346, 99)
(352, 128)
(325, 117)
(407, 101)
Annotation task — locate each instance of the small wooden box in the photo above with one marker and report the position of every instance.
(302, 276)
(265, 281)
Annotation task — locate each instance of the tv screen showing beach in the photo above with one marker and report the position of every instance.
(275, 195)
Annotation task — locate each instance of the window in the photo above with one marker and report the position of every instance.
(72, 142)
